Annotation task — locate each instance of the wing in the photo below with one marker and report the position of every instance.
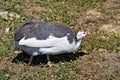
(51, 41)
(30, 29)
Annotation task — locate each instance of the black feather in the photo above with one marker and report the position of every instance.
(42, 30)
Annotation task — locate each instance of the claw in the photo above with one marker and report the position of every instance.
(49, 64)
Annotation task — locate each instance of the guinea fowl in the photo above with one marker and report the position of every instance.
(49, 38)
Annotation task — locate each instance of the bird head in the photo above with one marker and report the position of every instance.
(82, 34)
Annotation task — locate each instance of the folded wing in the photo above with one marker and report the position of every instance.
(51, 41)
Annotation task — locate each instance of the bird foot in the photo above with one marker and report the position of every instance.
(30, 60)
(49, 64)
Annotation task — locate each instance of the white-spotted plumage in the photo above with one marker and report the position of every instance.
(35, 53)
(51, 45)
(47, 38)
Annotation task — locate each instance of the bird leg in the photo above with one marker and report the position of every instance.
(48, 61)
(30, 60)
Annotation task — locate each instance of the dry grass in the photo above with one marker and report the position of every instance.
(98, 56)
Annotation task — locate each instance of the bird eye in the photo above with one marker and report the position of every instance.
(83, 32)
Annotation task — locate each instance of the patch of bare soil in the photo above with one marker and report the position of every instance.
(34, 12)
(100, 66)
(111, 64)
(111, 28)
(112, 16)
(112, 4)
(108, 19)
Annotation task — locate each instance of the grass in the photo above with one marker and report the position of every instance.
(78, 66)
(6, 73)
(102, 40)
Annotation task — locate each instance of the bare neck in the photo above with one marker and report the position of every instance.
(77, 44)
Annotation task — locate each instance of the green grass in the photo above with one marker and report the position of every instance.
(6, 73)
(102, 40)
(71, 67)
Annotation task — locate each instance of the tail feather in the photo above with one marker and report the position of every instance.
(15, 47)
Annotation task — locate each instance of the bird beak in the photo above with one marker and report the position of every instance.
(87, 33)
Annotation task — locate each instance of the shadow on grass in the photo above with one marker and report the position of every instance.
(22, 57)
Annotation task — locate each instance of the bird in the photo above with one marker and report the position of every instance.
(46, 38)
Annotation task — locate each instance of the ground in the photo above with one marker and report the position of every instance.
(98, 57)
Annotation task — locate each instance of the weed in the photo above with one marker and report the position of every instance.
(71, 67)
(102, 39)
(5, 73)
(24, 77)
